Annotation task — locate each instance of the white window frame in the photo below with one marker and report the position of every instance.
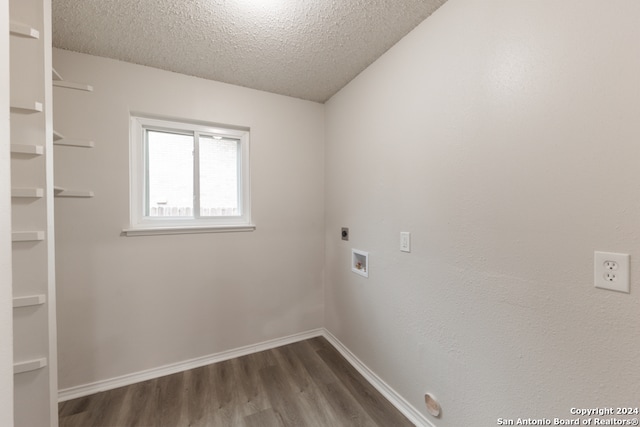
(147, 225)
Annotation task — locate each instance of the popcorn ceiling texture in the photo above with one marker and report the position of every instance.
(307, 49)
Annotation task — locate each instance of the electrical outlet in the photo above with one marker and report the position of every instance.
(611, 271)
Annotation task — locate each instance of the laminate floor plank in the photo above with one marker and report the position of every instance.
(170, 398)
(305, 384)
(102, 416)
(281, 393)
(129, 406)
(265, 418)
(75, 406)
(198, 396)
(312, 362)
(78, 419)
(312, 402)
(94, 411)
(346, 407)
(247, 373)
(227, 410)
(321, 343)
(375, 405)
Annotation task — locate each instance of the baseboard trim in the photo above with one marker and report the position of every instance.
(149, 374)
(389, 393)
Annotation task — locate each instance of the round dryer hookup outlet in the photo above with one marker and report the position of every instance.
(433, 407)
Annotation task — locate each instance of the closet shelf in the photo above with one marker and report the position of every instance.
(29, 365)
(27, 192)
(27, 236)
(23, 30)
(26, 107)
(72, 85)
(29, 301)
(60, 139)
(58, 81)
(64, 192)
(36, 150)
(74, 143)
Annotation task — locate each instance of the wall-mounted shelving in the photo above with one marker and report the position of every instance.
(33, 149)
(67, 192)
(34, 315)
(26, 107)
(27, 236)
(60, 139)
(72, 85)
(81, 143)
(29, 301)
(29, 365)
(27, 192)
(58, 81)
(23, 30)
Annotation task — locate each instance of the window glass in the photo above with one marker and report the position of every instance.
(169, 174)
(219, 176)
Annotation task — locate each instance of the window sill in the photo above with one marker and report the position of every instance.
(130, 232)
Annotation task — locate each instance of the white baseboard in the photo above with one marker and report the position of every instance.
(149, 374)
(390, 394)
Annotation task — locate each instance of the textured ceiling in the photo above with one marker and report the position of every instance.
(307, 49)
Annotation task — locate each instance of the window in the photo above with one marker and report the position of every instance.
(188, 178)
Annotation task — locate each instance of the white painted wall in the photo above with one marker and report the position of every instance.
(6, 306)
(126, 304)
(505, 137)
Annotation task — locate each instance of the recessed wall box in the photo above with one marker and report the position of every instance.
(360, 262)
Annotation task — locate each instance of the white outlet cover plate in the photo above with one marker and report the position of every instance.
(405, 241)
(611, 271)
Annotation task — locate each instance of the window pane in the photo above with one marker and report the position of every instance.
(169, 174)
(219, 176)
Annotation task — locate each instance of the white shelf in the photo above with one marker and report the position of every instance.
(58, 81)
(72, 85)
(22, 107)
(27, 236)
(27, 192)
(83, 143)
(36, 150)
(65, 192)
(29, 301)
(29, 365)
(23, 30)
(60, 139)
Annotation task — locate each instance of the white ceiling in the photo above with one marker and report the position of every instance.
(308, 49)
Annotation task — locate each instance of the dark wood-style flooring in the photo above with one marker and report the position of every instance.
(307, 383)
